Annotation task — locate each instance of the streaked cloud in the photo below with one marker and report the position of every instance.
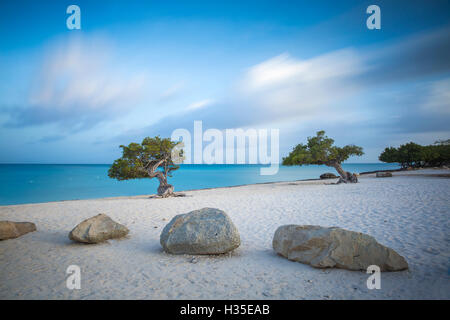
(79, 84)
(438, 99)
(199, 104)
(139, 71)
(418, 56)
(172, 91)
(285, 86)
(350, 88)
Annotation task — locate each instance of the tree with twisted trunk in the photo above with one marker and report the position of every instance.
(154, 157)
(320, 150)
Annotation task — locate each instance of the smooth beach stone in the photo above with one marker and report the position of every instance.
(328, 175)
(204, 231)
(97, 229)
(10, 229)
(323, 247)
(383, 174)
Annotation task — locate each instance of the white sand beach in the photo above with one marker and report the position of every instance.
(409, 212)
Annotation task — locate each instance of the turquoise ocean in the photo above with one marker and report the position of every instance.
(33, 183)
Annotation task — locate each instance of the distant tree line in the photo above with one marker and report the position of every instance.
(415, 155)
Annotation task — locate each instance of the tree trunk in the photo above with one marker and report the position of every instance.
(164, 190)
(346, 177)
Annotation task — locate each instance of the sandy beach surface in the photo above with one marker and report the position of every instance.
(409, 212)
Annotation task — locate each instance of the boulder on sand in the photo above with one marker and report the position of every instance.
(328, 175)
(10, 229)
(383, 174)
(323, 247)
(97, 229)
(204, 231)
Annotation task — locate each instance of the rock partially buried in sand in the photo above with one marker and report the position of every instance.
(335, 247)
(11, 230)
(384, 174)
(204, 231)
(97, 229)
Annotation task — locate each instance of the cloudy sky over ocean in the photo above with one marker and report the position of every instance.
(142, 68)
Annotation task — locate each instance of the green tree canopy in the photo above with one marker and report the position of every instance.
(320, 150)
(152, 158)
(414, 155)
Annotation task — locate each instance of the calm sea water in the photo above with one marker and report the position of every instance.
(31, 183)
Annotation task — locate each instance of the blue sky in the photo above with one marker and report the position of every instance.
(141, 68)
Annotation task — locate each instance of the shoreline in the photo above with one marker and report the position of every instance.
(366, 173)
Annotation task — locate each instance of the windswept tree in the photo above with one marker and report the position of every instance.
(320, 150)
(154, 157)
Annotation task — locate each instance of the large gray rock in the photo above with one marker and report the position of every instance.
(204, 231)
(97, 229)
(334, 247)
(10, 229)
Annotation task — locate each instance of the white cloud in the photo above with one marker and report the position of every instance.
(172, 91)
(199, 104)
(79, 81)
(290, 86)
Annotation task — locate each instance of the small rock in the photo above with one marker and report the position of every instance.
(193, 260)
(11, 230)
(383, 174)
(97, 229)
